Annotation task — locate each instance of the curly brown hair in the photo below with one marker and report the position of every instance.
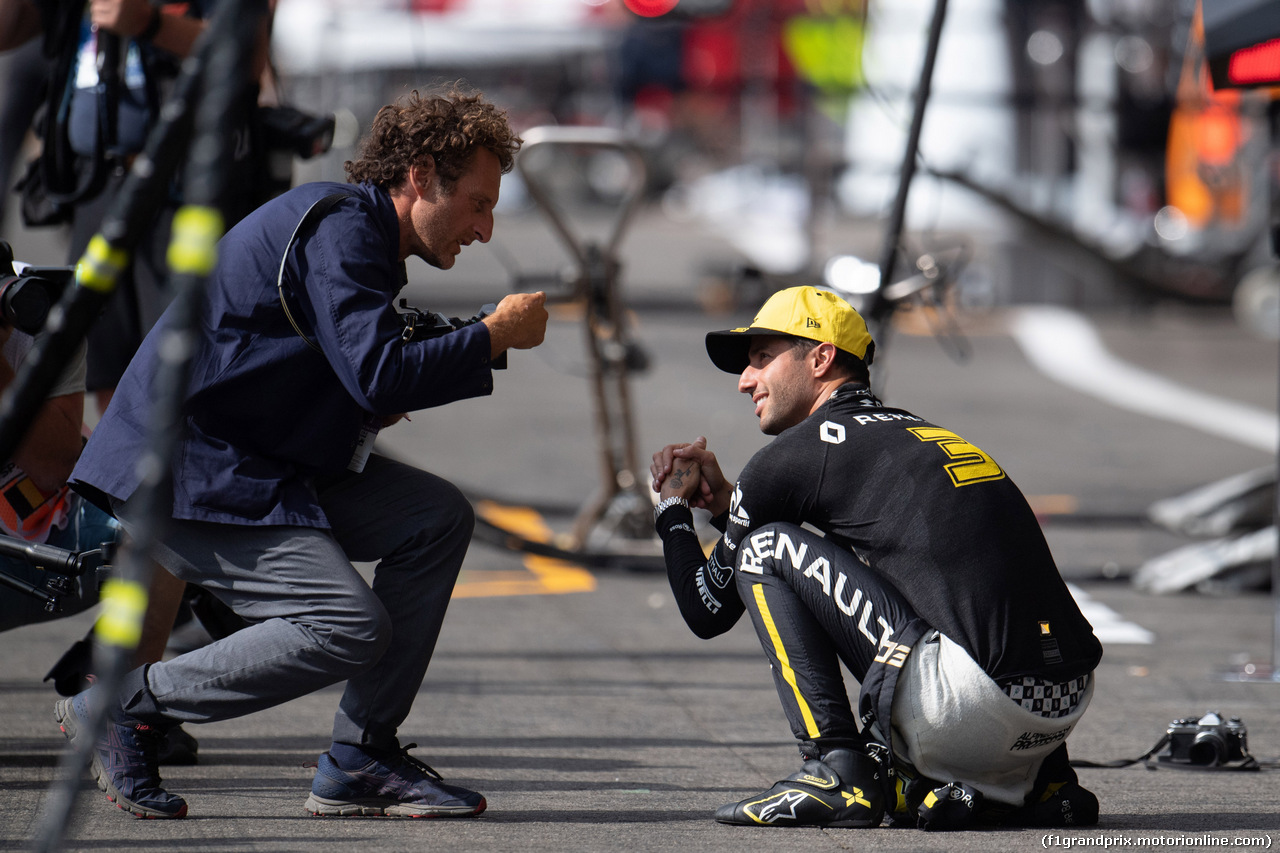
(447, 128)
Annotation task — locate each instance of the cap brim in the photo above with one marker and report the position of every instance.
(730, 349)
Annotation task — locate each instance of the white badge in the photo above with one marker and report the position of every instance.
(364, 444)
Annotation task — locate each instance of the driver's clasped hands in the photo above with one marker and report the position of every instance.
(692, 472)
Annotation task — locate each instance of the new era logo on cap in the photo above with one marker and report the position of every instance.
(802, 312)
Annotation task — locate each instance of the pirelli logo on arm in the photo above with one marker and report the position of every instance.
(968, 464)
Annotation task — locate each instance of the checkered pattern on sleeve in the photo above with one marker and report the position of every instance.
(1043, 697)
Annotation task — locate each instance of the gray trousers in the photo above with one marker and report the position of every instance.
(313, 620)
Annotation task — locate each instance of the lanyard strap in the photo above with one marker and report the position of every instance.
(314, 213)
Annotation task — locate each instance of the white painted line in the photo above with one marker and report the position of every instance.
(1109, 626)
(1063, 345)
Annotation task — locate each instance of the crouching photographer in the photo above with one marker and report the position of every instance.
(301, 358)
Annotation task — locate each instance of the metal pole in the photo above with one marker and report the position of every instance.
(881, 308)
(227, 50)
(1275, 572)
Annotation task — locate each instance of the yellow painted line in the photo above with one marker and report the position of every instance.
(544, 575)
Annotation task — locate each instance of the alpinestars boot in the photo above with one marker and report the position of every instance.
(842, 788)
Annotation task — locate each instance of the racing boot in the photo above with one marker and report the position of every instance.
(949, 807)
(1062, 800)
(1069, 804)
(841, 788)
(909, 791)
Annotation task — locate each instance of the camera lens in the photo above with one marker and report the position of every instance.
(25, 302)
(1207, 750)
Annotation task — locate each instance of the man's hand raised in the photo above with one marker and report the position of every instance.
(520, 322)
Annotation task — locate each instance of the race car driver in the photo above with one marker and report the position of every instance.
(865, 534)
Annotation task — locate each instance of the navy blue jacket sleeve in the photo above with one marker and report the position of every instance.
(346, 270)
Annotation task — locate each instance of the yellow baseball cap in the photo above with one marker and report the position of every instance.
(802, 312)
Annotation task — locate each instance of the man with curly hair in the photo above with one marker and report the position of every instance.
(300, 360)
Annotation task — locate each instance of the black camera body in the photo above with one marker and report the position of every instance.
(422, 325)
(1207, 741)
(287, 133)
(26, 297)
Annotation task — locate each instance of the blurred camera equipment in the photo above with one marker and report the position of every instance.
(60, 567)
(26, 296)
(286, 134)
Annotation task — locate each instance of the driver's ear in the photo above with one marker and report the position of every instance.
(824, 358)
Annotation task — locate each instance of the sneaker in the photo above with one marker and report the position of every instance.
(823, 793)
(178, 748)
(124, 761)
(396, 785)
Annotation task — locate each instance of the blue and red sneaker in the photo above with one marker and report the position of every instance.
(124, 760)
(392, 784)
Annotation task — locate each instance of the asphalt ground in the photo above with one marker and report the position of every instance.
(592, 719)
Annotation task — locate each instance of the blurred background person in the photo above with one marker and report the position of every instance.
(111, 63)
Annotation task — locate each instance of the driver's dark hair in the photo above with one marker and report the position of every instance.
(845, 362)
(445, 129)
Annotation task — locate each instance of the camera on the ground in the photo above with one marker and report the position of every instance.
(1208, 741)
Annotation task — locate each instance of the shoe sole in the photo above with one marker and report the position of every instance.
(323, 807)
(732, 815)
(835, 824)
(69, 724)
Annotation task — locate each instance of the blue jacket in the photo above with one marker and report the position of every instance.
(266, 413)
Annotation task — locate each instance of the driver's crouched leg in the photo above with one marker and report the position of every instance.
(806, 597)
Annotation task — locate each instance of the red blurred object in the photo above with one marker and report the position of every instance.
(721, 54)
(1255, 65)
(711, 57)
(1241, 42)
(434, 6)
(650, 8)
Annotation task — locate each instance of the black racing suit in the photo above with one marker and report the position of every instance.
(922, 531)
